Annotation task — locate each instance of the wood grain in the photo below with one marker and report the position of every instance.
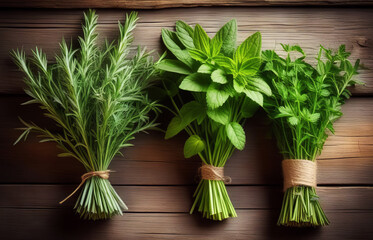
(149, 4)
(251, 224)
(307, 27)
(153, 178)
(179, 198)
(346, 159)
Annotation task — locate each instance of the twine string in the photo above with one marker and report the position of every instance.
(209, 172)
(102, 174)
(299, 172)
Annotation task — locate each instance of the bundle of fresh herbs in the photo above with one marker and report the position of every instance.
(221, 89)
(305, 103)
(97, 98)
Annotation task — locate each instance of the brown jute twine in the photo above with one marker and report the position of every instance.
(210, 172)
(102, 174)
(299, 172)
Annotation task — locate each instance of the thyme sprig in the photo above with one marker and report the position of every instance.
(306, 101)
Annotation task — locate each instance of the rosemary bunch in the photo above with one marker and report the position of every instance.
(306, 101)
(224, 89)
(97, 98)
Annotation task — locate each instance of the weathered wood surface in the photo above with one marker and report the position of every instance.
(150, 4)
(153, 178)
(177, 198)
(162, 213)
(251, 224)
(308, 27)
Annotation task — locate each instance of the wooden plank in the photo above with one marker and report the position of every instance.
(347, 157)
(251, 224)
(305, 26)
(149, 4)
(165, 199)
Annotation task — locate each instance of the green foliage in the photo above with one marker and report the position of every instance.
(236, 134)
(193, 145)
(97, 98)
(220, 107)
(305, 103)
(306, 100)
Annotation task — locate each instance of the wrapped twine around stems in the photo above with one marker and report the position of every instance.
(210, 172)
(299, 172)
(102, 174)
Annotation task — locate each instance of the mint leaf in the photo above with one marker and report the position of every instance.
(227, 35)
(215, 47)
(188, 113)
(225, 62)
(255, 96)
(250, 67)
(250, 48)
(196, 82)
(220, 114)
(198, 55)
(176, 66)
(216, 95)
(259, 85)
(174, 127)
(239, 84)
(193, 145)
(185, 34)
(206, 68)
(236, 134)
(170, 40)
(218, 76)
(201, 40)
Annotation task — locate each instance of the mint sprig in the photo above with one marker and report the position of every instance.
(224, 88)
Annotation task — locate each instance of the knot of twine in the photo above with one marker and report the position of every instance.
(299, 172)
(210, 172)
(102, 174)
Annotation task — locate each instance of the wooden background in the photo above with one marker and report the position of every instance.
(153, 178)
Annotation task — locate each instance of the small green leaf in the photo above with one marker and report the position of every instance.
(250, 67)
(259, 85)
(193, 145)
(250, 48)
(236, 134)
(174, 127)
(228, 34)
(198, 55)
(185, 34)
(201, 40)
(218, 76)
(187, 114)
(284, 112)
(255, 96)
(293, 120)
(239, 84)
(206, 68)
(196, 82)
(170, 40)
(216, 95)
(225, 62)
(170, 86)
(220, 114)
(215, 47)
(176, 66)
(192, 111)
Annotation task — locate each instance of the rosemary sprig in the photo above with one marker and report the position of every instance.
(97, 98)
